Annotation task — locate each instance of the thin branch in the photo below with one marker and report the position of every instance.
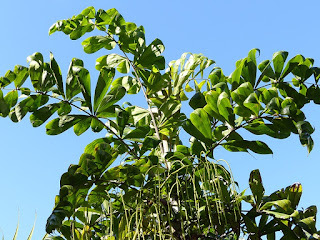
(143, 90)
(89, 114)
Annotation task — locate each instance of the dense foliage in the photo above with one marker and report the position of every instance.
(143, 180)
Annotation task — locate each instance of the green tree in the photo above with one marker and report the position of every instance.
(144, 180)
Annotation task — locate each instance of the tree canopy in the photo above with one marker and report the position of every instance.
(145, 179)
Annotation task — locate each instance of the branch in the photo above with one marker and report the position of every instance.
(88, 113)
(144, 92)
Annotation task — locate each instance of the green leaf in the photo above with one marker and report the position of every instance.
(294, 193)
(105, 78)
(72, 83)
(138, 114)
(41, 115)
(197, 100)
(170, 107)
(96, 125)
(152, 56)
(236, 75)
(272, 130)
(113, 96)
(95, 43)
(113, 61)
(278, 60)
(292, 63)
(225, 108)
(106, 17)
(139, 132)
(65, 108)
(22, 74)
(195, 132)
(200, 120)
(122, 120)
(257, 189)
(57, 74)
(11, 98)
(131, 85)
(83, 77)
(36, 69)
(82, 126)
(59, 125)
(252, 103)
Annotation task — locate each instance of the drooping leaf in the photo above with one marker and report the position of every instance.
(257, 189)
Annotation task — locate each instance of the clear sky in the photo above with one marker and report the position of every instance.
(32, 162)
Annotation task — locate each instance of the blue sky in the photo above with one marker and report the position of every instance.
(32, 162)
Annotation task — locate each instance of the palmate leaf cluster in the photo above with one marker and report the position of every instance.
(165, 187)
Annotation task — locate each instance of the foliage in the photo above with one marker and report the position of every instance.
(164, 188)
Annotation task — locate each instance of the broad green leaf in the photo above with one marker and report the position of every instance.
(96, 125)
(131, 85)
(257, 189)
(8, 78)
(152, 56)
(59, 125)
(240, 94)
(11, 98)
(82, 126)
(236, 75)
(95, 43)
(278, 60)
(170, 107)
(106, 17)
(139, 132)
(138, 114)
(212, 100)
(197, 101)
(249, 69)
(272, 130)
(294, 193)
(89, 12)
(113, 61)
(64, 109)
(113, 96)
(242, 111)
(252, 103)
(242, 146)
(30, 104)
(292, 63)
(105, 78)
(21, 73)
(225, 108)
(41, 115)
(200, 120)
(195, 132)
